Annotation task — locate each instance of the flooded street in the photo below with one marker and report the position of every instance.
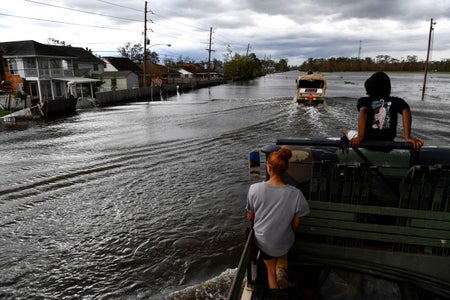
(145, 199)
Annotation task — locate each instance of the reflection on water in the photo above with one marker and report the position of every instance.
(147, 198)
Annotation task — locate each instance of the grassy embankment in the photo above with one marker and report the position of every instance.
(4, 112)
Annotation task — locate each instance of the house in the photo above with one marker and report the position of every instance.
(158, 74)
(198, 72)
(46, 73)
(120, 73)
(186, 73)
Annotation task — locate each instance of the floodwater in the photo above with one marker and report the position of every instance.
(146, 200)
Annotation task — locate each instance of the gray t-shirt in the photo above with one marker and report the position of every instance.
(274, 208)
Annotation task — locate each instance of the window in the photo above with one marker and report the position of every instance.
(56, 66)
(44, 67)
(58, 88)
(55, 63)
(30, 67)
(29, 63)
(12, 64)
(67, 67)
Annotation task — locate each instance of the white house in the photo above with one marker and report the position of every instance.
(120, 73)
(46, 71)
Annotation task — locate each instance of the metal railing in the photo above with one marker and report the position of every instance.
(47, 73)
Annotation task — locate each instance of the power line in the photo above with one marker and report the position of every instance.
(171, 20)
(157, 24)
(228, 43)
(118, 5)
(175, 29)
(178, 22)
(127, 19)
(83, 11)
(165, 34)
(67, 23)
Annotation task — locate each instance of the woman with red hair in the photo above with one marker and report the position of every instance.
(275, 209)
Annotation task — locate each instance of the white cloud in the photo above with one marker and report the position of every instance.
(279, 29)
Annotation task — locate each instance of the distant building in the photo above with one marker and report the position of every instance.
(158, 74)
(120, 73)
(196, 71)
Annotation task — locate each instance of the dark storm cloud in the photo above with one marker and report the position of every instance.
(278, 29)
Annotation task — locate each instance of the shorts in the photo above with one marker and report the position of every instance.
(265, 256)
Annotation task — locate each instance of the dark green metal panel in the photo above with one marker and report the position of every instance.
(379, 210)
(376, 232)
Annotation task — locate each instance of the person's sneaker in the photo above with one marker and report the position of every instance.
(282, 279)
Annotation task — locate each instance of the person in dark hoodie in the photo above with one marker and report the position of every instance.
(378, 114)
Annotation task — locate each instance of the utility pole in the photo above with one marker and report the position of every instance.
(209, 52)
(248, 48)
(359, 55)
(144, 69)
(359, 50)
(428, 56)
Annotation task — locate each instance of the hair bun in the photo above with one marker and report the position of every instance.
(285, 153)
(279, 160)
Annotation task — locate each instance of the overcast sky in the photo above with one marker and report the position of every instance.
(295, 30)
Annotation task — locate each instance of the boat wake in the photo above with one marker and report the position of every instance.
(214, 288)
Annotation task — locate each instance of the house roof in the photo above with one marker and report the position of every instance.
(189, 68)
(82, 54)
(75, 80)
(31, 48)
(156, 70)
(196, 69)
(183, 71)
(153, 68)
(123, 64)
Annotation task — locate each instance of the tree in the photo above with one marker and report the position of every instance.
(153, 57)
(169, 62)
(282, 65)
(134, 52)
(242, 67)
(411, 58)
(217, 64)
(228, 54)
(381, 63)
(268, 65)
(184, 60)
